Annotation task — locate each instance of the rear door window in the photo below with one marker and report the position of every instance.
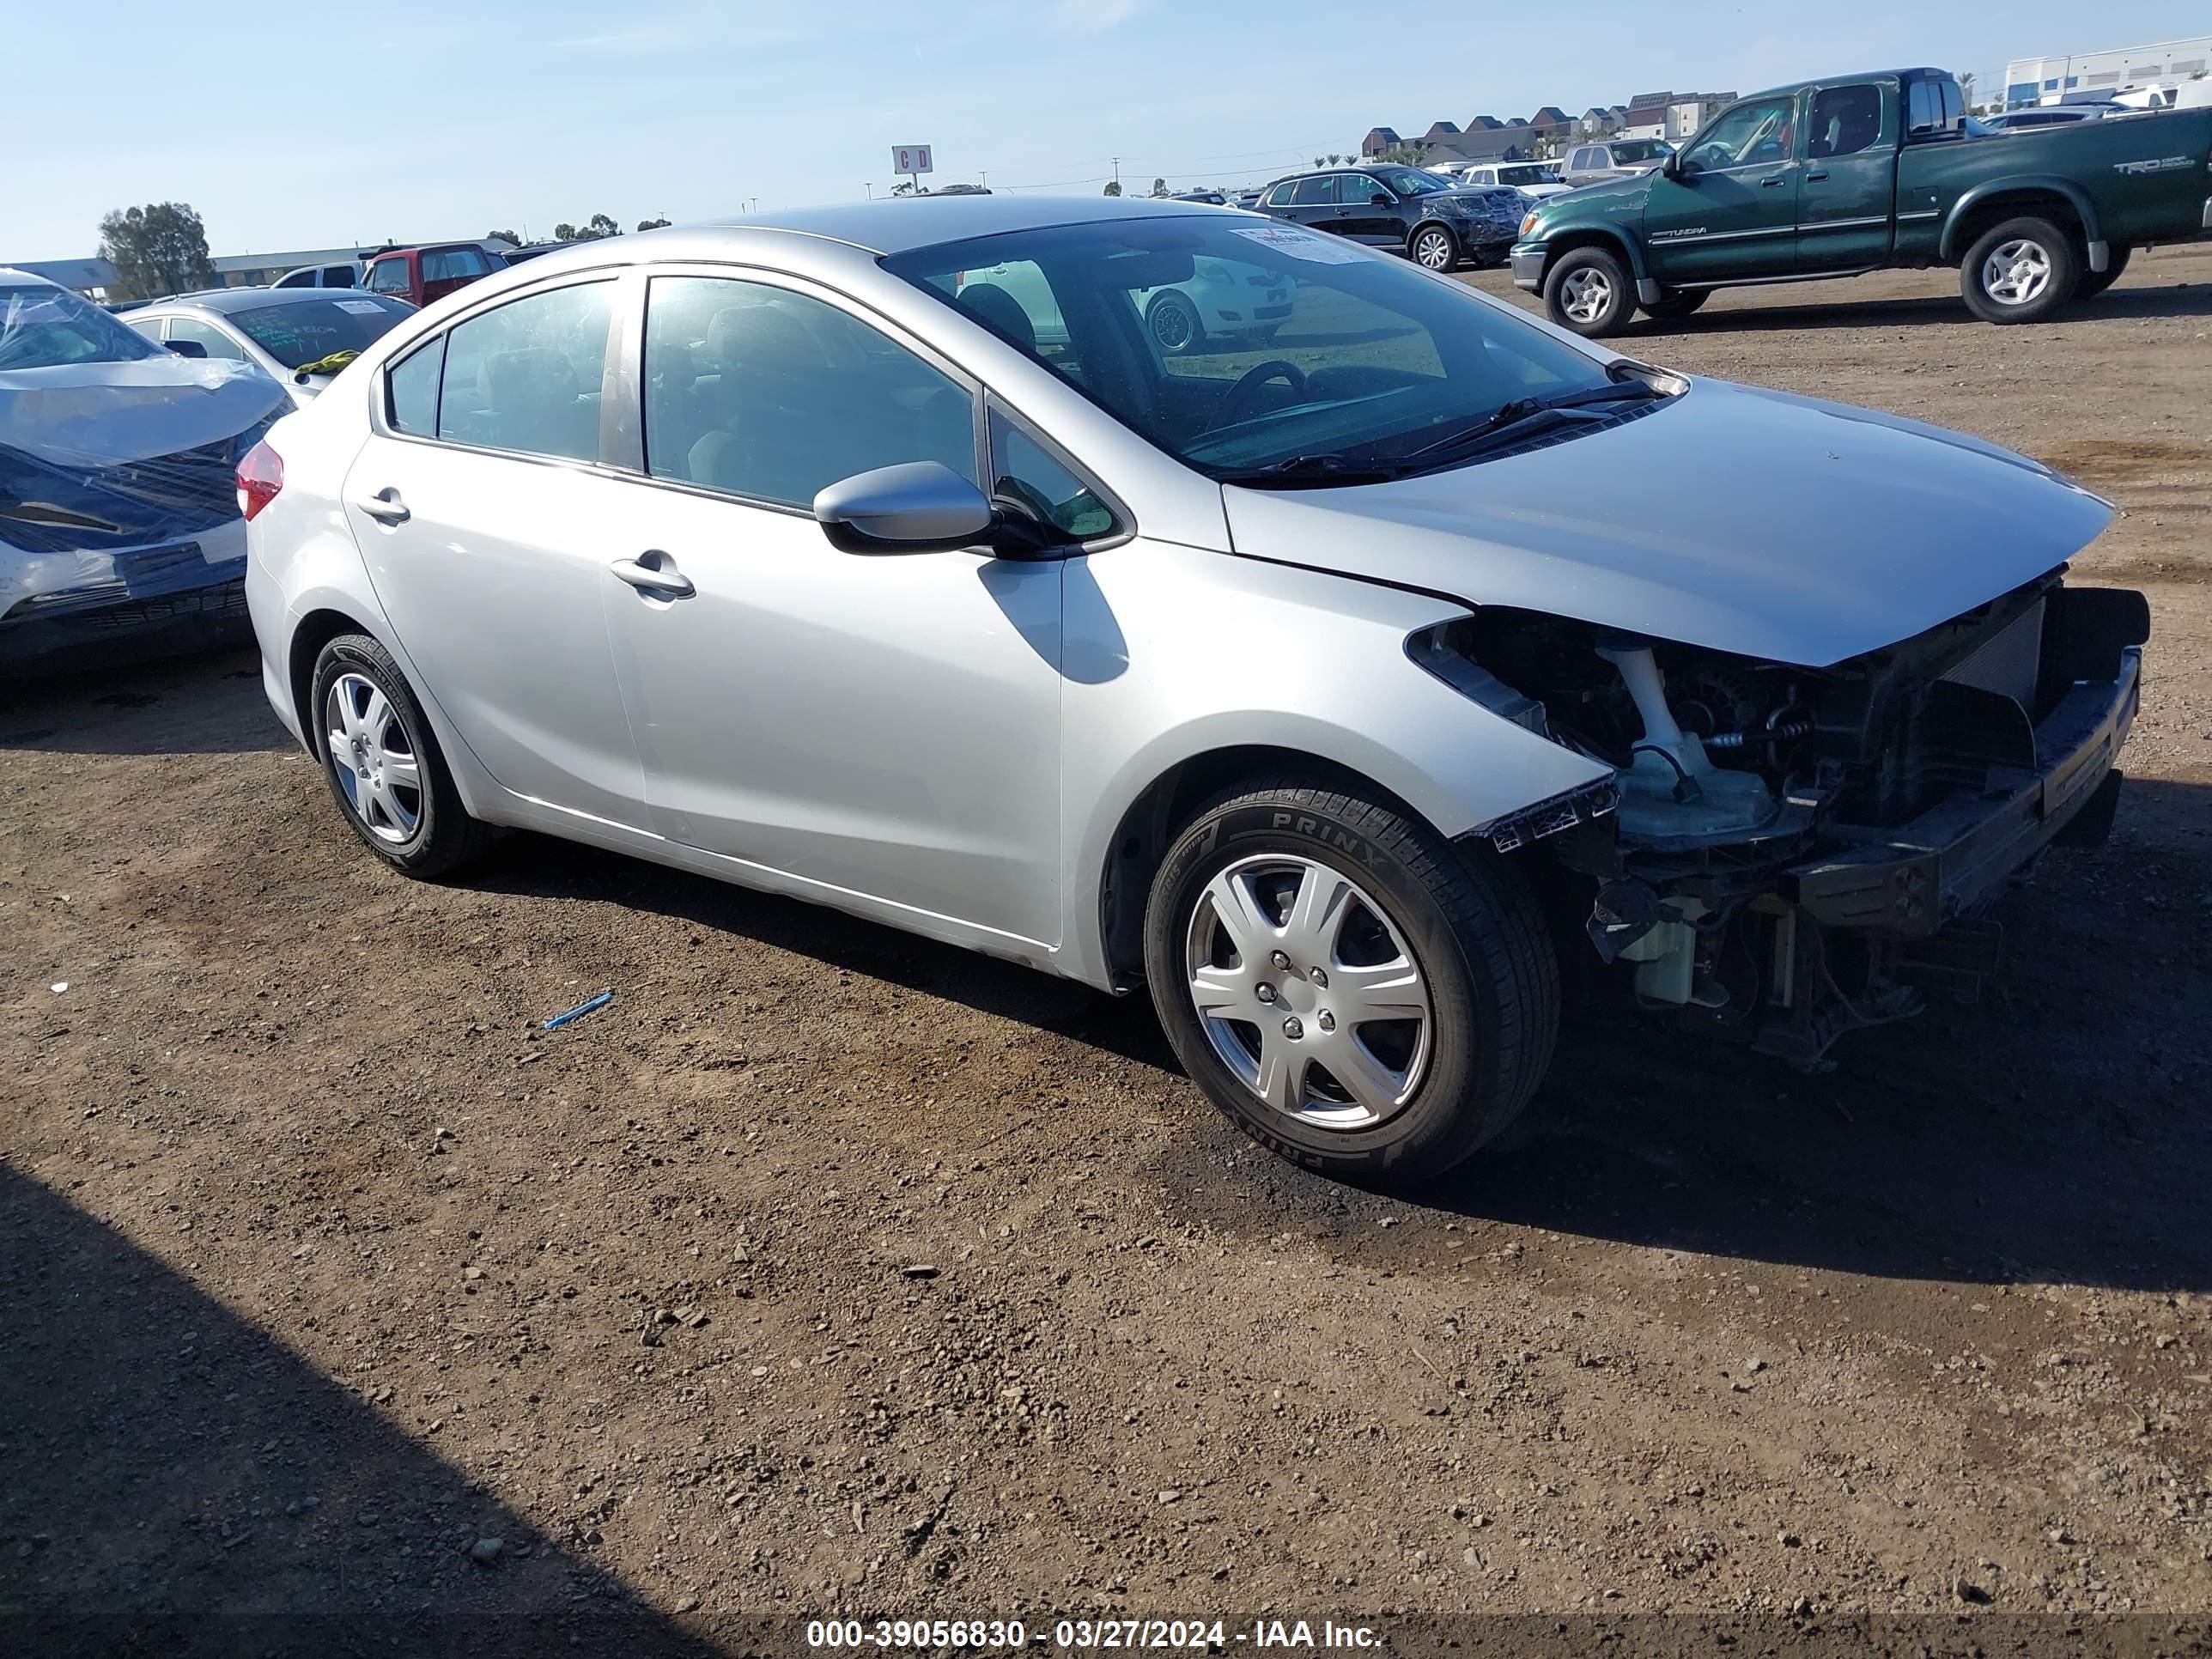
(1845, 120)
(773, 395)
(525, 376)
(1318, 191)
(411, 390)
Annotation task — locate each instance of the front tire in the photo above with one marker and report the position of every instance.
(1432, 247)
(2020, 271)
(383, 764)
(1341, 984)
(1587, 291)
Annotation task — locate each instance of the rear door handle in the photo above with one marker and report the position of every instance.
(660, 575)
(1815, 178)
(1776, 184)
(384, 506)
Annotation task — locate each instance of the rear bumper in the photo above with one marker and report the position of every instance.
(1528, 265)
(1952, 858)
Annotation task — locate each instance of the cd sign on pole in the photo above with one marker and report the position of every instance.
(910, 159)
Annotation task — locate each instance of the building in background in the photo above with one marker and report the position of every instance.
(2046, 79)
(93, 277)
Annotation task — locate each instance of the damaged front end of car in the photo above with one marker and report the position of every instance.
(1784, 854)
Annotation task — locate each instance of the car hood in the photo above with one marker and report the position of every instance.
(1772, 526)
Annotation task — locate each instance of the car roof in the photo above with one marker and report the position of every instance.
(888, 225)
(225, 300)
(11, 277)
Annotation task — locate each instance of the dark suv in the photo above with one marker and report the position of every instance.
(1434, 222)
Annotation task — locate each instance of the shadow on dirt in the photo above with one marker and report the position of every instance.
(208, 704)
(2123, 304)
(180, 1483)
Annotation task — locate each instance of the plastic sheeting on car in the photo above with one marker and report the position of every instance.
(115, 474)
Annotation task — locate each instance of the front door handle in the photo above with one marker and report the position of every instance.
(653, 572)
(1815, 178)
(384, 506)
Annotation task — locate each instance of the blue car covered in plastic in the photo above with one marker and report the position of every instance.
(118, 511)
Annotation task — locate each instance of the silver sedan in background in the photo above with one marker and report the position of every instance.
(1329, 686)
(299, 337)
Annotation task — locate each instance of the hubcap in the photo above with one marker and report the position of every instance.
(2016, 272)
(1172, 326)
(372, 759)
(1433, 250)
(1341, 1037)
(1584, 294)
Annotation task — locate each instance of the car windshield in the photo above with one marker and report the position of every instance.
(298, 332)
(42, 326)
(1641, 149)
(1407, 181)
(1238, 348)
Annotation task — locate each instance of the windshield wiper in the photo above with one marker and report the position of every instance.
(1332, 468)
(1523, 411)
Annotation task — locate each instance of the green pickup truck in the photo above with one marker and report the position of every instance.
(1860, 173)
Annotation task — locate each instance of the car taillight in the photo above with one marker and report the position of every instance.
(260, 476)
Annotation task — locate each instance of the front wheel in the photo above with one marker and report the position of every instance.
(2020, 271)
(1434, 248)
(1346, 988)
(1588, 290)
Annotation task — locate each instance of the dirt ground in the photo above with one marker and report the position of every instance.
(827, 1270)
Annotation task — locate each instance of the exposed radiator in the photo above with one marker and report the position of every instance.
(2007, 662)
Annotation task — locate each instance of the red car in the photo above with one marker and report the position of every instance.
(424, 273)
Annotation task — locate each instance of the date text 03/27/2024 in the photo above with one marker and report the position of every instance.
(1090, 1635)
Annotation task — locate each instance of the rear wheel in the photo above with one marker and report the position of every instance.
(382, 762)
(1678, 302)
(1588, 290)
(1433, 248)
(2095, 283)
(1343, 986)
(1175, 323)
(2020, 271)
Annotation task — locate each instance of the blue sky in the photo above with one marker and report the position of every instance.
(299, 127)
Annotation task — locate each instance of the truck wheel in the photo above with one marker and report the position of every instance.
(1345, 986)
(2020, 271)
(2095, 283)
(1678, 302)
(1589, 291)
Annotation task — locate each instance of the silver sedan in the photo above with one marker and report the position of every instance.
(1332, 685)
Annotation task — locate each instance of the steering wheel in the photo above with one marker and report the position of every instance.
(1232, 408)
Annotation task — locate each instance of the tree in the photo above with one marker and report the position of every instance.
(651, 224)
(602, 225)
(1159, 186)
(502, 236)
(160, 248)
(599, 228)
(1412, 153)
(1112, 186)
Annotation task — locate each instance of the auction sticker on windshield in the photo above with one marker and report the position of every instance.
(360, 307)
(1302, 245)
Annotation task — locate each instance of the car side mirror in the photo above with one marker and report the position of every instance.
(187, 348)
(918, 506)
(1675, 167)
(1382, 201)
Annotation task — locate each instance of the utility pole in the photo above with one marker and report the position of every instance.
(1117, 175)
(983, 178)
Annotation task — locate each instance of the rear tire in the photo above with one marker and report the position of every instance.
(1678, 302)
(1427, 980)
(1174, 323)
(2095, 283)
(1587, 291)
(383, 764)
(2020, 271)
